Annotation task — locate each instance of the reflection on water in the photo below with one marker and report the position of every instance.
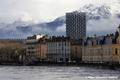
(56, 73)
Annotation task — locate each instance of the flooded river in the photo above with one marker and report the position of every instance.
(56, 73)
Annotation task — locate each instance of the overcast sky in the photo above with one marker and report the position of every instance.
(41, 10)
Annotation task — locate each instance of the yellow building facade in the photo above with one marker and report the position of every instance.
(116, 54)
(101, 49)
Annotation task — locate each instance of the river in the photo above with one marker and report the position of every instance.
(56, 73)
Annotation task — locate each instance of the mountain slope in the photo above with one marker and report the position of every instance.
(101, 19)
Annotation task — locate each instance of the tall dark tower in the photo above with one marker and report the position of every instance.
(76, 24)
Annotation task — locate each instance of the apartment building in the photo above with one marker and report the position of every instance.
(76, 50)
(33, 47)
(76, 24)
(58, 49)
(42, 46)
(103, 49)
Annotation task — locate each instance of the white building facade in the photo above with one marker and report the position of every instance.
(58, 49)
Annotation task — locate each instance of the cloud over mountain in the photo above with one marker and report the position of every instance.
(31, 17)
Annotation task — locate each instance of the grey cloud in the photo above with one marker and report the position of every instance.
(41, 10)
(61, 28)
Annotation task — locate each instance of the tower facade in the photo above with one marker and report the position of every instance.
(76, 24)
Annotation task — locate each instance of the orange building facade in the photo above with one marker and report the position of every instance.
(42, 43)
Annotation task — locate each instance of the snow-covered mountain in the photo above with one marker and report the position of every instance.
(100, 11)
(101, 19)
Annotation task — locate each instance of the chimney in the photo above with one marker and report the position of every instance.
(112, 34)
(95, 36)
(107, 35)
(98, 41)
(110, 40)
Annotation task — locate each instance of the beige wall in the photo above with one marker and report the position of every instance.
(104, 53)
(91, 54)
(116, 54)
(107, 53)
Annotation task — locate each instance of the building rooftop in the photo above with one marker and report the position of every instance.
(58, 39)
(102, 40)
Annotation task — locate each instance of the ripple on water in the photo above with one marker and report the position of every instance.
(56, 73)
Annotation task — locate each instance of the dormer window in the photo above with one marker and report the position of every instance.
(116, 51)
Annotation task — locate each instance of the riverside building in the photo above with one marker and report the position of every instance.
(101, 49)
(42, 46)
(33, 46)
(76, 50)
(58, 49)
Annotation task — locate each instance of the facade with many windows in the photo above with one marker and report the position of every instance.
(76, 50)
(33, 46)
(58, 49)
(103, 49)
(76, 24)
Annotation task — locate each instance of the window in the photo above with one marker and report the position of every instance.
(75, 47)
(76, 56)
(76, 51)
(61, 59)
(29, 52)
(65, 44)
(59, 44)
(1, 57)
(116, 51)
(68, 44)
